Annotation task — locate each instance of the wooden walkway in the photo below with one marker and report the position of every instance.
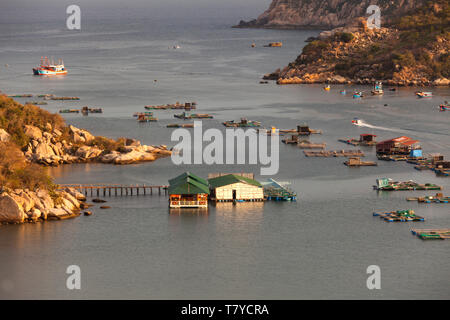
(116, 189)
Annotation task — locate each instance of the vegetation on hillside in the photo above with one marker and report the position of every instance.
(421, 44)
(15, 171)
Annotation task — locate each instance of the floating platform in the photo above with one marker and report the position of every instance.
(387, 185)
(357, 162)
(64, 98)
(399, 216)
(69, 111)
(85, 110)
(431, 234)
(175, 106)
(278, 191)
(305, 144)
(366, 140)
(335, 153)
(37, 103)
(178, 125)
(26, 95)
(438, 198)
(185, 116)
(394, 157)
(244, 123)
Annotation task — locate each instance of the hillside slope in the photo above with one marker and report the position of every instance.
(325, 14)
(413, 50)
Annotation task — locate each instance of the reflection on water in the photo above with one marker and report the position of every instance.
(239, 208)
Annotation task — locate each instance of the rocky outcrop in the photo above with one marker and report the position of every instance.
(358, 55)
(288, 14)
(4, 136)
(48, 148)
(19, 206)
(10, 210)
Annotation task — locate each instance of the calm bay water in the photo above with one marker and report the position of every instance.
(316, 248)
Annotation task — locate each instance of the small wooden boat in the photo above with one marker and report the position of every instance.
(424, 94)
(377, 89)
(357, 122)
(444, 107)
(274, 44)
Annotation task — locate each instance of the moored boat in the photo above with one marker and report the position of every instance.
(444, 107)
(49, 68)
(377, 88)
(357, 94)
(424, 94)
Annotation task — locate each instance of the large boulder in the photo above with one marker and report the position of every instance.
(76, 194)
(80, 135)
(441, 82)
(33, 132)
(43, 150)
(4, 136)
(10, 210)
(87, 152)
(45, 198)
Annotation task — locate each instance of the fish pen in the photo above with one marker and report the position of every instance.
(357, 162)
(305, 144)
(180, 125)
(146, 118)
(244, 123)
(367, 140)
(438, 198)
(277, 191)
(279, 194)
(385, 184)
(176, 106)
(399, 216)
(335, 153)
(185, 116)
(431, 234)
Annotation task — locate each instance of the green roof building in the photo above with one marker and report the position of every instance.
(188, 191)
(233, 187)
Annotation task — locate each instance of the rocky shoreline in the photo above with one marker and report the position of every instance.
(325, 14)
(50, 149)
(332, 56)
(22, 206)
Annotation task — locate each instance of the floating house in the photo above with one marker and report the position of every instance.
(233, 187)
(401, 146)
(188, 191)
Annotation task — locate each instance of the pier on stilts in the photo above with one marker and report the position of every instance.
(116, 190)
